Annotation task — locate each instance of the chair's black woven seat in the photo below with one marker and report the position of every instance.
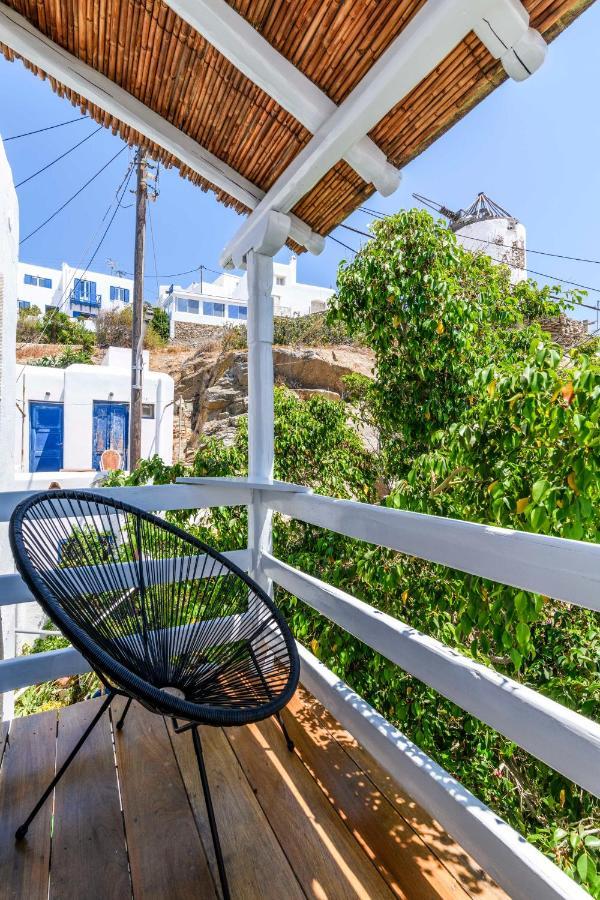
(156, 612)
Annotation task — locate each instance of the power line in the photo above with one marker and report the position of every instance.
(585, 287)
(342, 244)
(124, 184)
(76, 194)
(58, 158)
(15, 137)
(582, 259)
(118, 196)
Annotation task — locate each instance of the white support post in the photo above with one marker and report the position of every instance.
(260, 406)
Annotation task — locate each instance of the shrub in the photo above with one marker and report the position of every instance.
(68, 358)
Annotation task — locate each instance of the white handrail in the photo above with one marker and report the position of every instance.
(517, 866)
(555, 567)
(565, 740)
(153, 496)
(13, 589)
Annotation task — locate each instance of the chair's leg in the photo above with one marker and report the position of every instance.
(121, 721)
(289, 742)
(211, 813)
(22, 830)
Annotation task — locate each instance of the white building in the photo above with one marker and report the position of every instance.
(487, 228)
(224, 301)
(67, 417)
(77, 293)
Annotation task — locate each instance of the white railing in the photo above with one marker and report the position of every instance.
(565, 570)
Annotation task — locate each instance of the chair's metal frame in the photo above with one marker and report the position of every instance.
(119, 682)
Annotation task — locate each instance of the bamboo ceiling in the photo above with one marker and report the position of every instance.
(150, 52)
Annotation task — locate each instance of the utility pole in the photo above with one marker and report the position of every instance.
(135, 413)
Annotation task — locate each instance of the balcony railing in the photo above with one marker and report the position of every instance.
(567, 570)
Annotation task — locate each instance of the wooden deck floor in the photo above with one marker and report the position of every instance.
(324, 822)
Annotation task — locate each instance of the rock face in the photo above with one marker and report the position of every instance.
(214, 387)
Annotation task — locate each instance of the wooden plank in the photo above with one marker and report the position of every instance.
(401, 856)
(515, 864)
(244, 829)
(325, 857)
(27, 769)
(3, 739)
(89, 856)
(166, 855)
(313, 718)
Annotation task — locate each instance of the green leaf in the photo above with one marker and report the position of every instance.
(582, 866)
(523, 634)
(539, 489)
(516, 657)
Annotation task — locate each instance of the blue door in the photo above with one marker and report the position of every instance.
(45, 437)
(110, 430)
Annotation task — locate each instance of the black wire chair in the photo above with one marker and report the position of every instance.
(161, 618)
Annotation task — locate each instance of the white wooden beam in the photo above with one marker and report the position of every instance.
(261, 415)
(19, 34)
(565, 740)
(151, 497)
(554, 567)
(517, 866)
(429, 37)
(14, 590)
(253, 55)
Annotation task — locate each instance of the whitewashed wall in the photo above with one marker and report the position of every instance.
(63, 282)
(293, 298)
(504, 240)
(9, 253)
(77, 387)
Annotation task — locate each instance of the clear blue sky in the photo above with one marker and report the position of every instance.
(533, 147)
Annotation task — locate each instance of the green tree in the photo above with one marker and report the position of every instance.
(160, 323)
(433, 313)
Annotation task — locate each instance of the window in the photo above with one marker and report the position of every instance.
(49, 307)
(37, 280)
(147, 410)
(24, 304)
(280, 280)
(188, 306)
(119, 293)
(213, 309)
(237, 312)
(84, 292)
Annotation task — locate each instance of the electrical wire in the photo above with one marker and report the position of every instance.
(15, 137)
(118, 196)
(58, 158)
(153, 250)
(582, 259)
(76, 194)
(342, 244)
(555, 278)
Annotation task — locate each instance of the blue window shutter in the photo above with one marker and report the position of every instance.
(77, 290)
(113, 292)
(126, 293)
(92, 292)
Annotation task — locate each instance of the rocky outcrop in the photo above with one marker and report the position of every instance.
(214, 387)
